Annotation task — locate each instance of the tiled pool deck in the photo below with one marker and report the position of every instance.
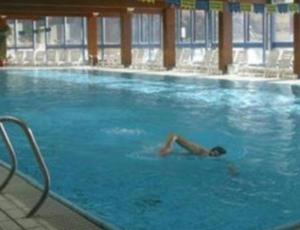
(12, 216)
(20, 196)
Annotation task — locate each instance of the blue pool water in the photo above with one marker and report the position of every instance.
(100, 134)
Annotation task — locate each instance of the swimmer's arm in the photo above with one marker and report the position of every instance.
(168, 146)
(191, 147)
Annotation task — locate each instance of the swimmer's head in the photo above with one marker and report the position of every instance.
(217, 151)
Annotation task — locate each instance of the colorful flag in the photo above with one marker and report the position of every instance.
(258, 8)
(216, 6)
(246, 7)
(282, 8)
(174, 2)
(202, 5)
(234, 7)
(271, 8)
(188, 4)
(147, 1)
(294, 7)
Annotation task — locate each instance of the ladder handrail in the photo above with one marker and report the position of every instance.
(12, 155)
(37, 153)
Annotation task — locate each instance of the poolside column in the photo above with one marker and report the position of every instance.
(225, 39)
(297, 42)
(126, 30)
(169, 47)
(92, 39)
(4, 30)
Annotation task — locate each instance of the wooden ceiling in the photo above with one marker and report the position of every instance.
(38, 8)
(73, 7)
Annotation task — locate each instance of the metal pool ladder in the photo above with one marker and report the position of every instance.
(13, 157)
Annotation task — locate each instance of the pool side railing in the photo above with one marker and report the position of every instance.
(290, 226)
(98, 221)
(13, 157)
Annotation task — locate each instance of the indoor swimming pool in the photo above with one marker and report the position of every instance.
(100, 133)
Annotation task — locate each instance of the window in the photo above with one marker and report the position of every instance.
(74, 31)
(256, 27)
(199, 26)
(156, 27)
(135, 29)
(40, 30)
(56, 33)
(99, 31)
(282, 1)
(24, 33)
(214, 23)
(238, 27)
(11, 42)
(283, 27)
(191, 27)
(185, 26)
(146, 29)
(112, 30)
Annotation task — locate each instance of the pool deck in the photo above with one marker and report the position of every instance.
(19, 196)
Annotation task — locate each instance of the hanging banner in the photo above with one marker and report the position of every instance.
(202, 5)
(258, 8)
(234, 7)
(188, 4)
(174, 2)
(147, 1)
(271, 8)
(216, 6)
(282, 8)
(293, 7)
(245, 7)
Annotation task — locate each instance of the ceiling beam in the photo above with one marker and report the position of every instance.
(44, 11)
(75, 7)
(83, 8)
(92, 4)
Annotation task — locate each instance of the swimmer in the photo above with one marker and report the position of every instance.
(191, 147)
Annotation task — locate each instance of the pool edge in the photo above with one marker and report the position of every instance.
(62, 201)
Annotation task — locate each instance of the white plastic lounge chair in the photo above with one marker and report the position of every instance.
(197, 56)
(29, 58)
(11, 57)
(112, 58)
(233, 68)
(178, 55)
(271, 66)
(51, 57)
(250, 64)
(185, 60)
(134, 54)
(40, 57)
(19, 58)
(63, 57)
(285, 63)
(153, 55)
(159, 60)
(242, 63)
(141, 58)
(213, 63)
(203, 64)
(76, 57)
